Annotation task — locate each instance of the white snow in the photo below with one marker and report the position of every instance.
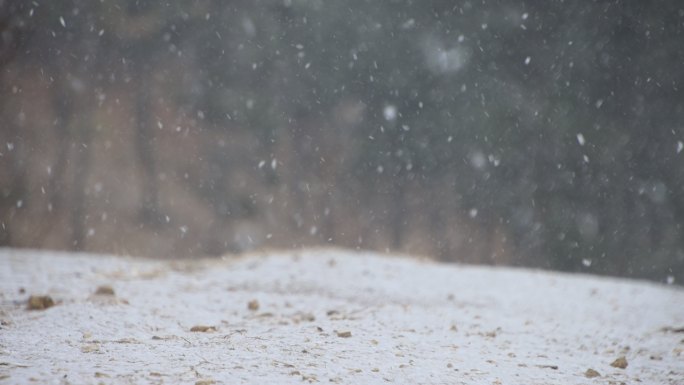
(410, 321)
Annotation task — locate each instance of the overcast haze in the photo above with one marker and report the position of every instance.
(546, 134)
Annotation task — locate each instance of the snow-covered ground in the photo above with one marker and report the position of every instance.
(329, 316)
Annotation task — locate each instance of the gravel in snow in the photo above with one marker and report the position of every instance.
(328, 316)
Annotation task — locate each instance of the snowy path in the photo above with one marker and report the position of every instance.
(329, 316)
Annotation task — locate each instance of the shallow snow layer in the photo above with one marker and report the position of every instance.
(329, 316)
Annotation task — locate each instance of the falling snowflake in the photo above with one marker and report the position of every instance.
(580, 139)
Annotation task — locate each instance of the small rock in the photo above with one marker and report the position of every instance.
(90, 348)
(346, 334)
(104, 290)
(207, 381)
(203, 329)
(591, 373)
(40, 302)
(253, 305)
(307, 317)
(554, 367)
(620, 362)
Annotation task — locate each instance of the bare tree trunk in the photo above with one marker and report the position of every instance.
(437, 228)
(63, 105)
(145, 149)
(12, 197)
(12, 36)
(79, 213)
(398, 212)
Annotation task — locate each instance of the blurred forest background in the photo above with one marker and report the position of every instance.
(543, 134)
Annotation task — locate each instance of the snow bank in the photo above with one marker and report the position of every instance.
(329, 316)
